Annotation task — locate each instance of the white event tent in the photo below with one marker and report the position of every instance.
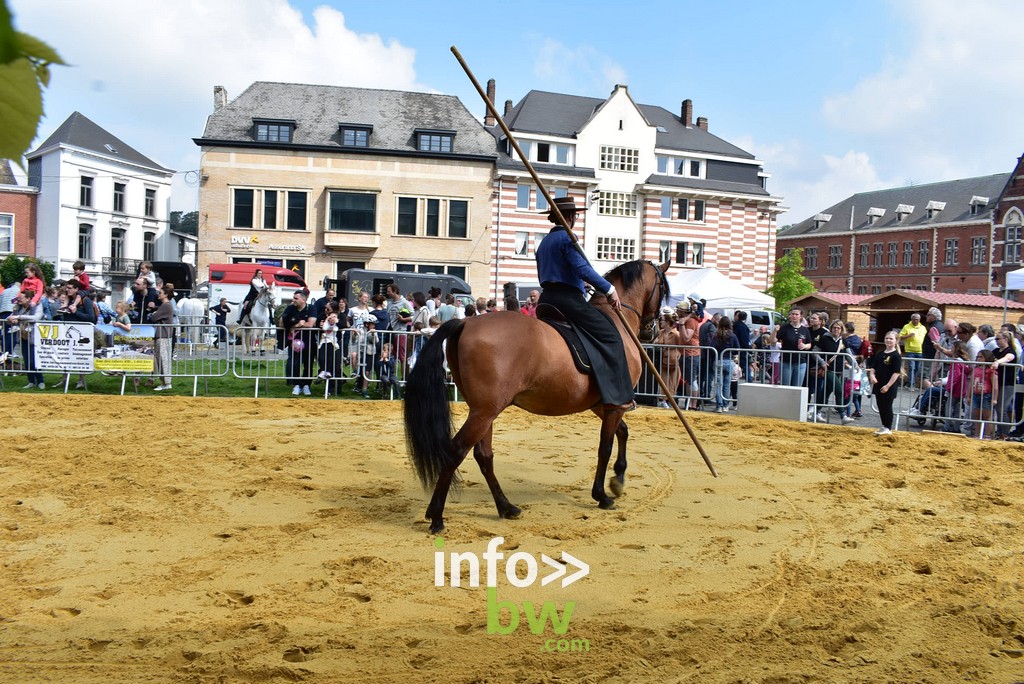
(718, 290)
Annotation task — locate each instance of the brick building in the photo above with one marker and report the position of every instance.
(652, 184)
(938, 236)
(1007, 221)
(17, 214)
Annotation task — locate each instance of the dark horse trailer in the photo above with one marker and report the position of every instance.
(356, 280)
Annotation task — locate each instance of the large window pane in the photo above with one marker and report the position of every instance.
(243, 209)
(270, 209)
(433, 217)
(297, 210)
(406, 216)
(352, 211)
(458, 219)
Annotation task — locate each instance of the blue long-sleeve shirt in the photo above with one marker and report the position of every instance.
(558, 261)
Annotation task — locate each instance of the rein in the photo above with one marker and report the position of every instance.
(648, 324)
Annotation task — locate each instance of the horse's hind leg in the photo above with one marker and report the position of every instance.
(472, 431)
(617, 483)
(484, 456)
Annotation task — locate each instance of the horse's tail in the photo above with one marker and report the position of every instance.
(428, 418)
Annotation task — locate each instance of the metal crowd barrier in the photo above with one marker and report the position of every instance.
(718, 376)
(950, 404)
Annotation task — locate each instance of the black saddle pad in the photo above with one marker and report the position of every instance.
(553, 317)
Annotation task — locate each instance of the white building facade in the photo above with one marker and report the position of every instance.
(103, 203)
(652, 185)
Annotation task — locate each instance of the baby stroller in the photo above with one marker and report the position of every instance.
(932, 403)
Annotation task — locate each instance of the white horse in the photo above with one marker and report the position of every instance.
(191, 312)
(258, 320)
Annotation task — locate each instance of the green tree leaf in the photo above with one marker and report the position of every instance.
(21, 107)
(789, 281)
(37, 50)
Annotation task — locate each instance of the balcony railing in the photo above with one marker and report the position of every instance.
(127, 267)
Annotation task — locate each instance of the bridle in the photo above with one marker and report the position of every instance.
(649, 324)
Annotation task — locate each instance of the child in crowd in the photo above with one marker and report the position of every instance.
(146, 271)
(328, 349)
(984, 386)
(384, 366)
(365, 352)
(34, 281)
(79, 268)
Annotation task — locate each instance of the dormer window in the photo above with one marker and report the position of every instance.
(434, 140)
(933, 208)
(902, 211)
(355, 135)
(821, 219)
(978, 204)
(274, 130)
(875, 213)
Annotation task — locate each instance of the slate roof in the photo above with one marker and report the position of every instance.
(79, 131)
(318, 110)
(6, 176)
(565, 115)
(956, 194)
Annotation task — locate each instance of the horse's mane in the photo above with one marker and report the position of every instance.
(628, 273)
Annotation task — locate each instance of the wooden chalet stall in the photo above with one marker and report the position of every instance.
(892, 310)
(836, 305)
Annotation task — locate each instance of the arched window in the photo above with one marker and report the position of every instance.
(1013, 222)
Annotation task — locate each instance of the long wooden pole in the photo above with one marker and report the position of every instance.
(568, 229)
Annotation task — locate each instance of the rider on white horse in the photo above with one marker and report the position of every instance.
(256, 286)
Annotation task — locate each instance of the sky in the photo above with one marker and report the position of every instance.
(833, 97)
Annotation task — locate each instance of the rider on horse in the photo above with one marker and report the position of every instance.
(562, 270)
(256, 286)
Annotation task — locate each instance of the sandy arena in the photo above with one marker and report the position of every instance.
(217, 540)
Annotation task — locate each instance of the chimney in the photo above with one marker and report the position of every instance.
(687, 113)
(702, 123)
(488, 119)
(508, 108)
(220, 98)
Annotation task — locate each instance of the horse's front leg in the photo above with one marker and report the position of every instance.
(610, 422)
(484, 455)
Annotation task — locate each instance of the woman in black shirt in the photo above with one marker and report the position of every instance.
(794, 337)
(884, 372)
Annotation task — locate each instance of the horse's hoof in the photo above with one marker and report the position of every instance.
(616, 485)
(511, 513)
(437, 527)
(606, 505)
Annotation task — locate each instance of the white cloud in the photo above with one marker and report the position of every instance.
(146, 70)
(960, 60)
(565, 69)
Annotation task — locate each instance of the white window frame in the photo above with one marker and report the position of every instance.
(6, 233)
(281, 209)
(697, 253)
(617, 249)
(1011, 249)
(978, 255)
(952, 252)
(444, 216)
(523, 190)
(611, 203)
(623, 159)
(521, 244)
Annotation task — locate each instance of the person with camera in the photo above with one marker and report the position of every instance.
(668, 342)
(689, 320)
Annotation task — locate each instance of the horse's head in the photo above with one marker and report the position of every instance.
(267, 296)
(642, 288)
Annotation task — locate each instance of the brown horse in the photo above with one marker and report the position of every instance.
(505, 359)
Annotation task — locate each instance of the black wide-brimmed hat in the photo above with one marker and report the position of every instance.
(566, 205)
